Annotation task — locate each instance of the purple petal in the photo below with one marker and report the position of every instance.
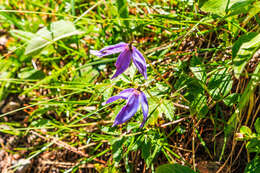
(128, 110)
(122, 95)
(110, 49)
(139, 62)
(122, 62)
(145, 108)
(96, 53)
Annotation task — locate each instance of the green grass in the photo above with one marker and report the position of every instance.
(203, 84)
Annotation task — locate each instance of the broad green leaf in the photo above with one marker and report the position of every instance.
(253, 166)
(44, 37)
(173, 168)
(243, 50)
(62, 29)
(214, 6)
(236, 7)
(239, 4)
(23, 35)
(41, 39)
(221, 7)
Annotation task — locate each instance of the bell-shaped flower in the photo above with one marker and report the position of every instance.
(128, 53)
(134, 98)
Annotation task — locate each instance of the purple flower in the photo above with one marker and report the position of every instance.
(134, 97)
(128, 53)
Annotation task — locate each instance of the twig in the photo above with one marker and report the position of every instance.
(65, 145)
(173, 122)
(86, 12)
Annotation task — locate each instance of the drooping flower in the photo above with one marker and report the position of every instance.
(128, 53)
(134, 98)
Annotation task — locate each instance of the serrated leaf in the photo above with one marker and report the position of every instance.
(231, 99)
(243, 50)
(253, 145)
(199, 105)
(199, 73)
(173, 168)
(153, 106)
(220, 84)
(167, 108)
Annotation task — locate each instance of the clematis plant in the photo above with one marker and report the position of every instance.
(128, 53)
(134, 98)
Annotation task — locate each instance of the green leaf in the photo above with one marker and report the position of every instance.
(62, 29)
(30, 73)
(23, 35)
(246, 131)
(199, 105)
(41, 39)
(167, 108)
(253, 11)
(220, 84)
(173, 168)
(88, 74)
(117, 149)
(243, 101)
(154, 115)
(243, 50)
(44, 37)
(231, 99)
(253, 166)
(214, 6)
(257, 125)
(221, 7)
(253, 145)
(199, 73)
(239, 4)
(122, 9)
